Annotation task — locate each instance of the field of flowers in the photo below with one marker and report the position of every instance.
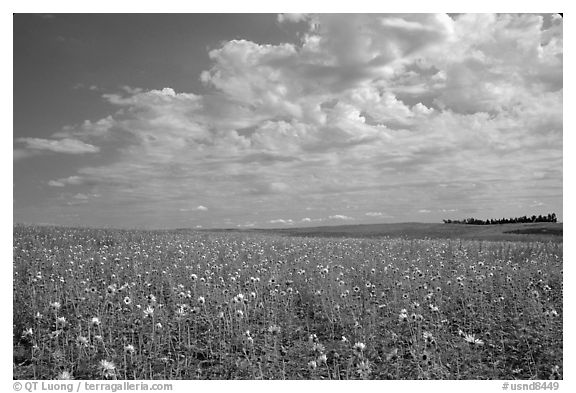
(111, 304)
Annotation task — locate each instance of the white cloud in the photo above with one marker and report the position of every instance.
(294, 18)
(309, 220)
(340, 217)
(73, 180)
(365, 108)
(201, 208)
(499, 61)
(66, 145)
(282, 221)
(90, 129)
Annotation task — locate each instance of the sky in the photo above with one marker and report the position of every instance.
(280, 120)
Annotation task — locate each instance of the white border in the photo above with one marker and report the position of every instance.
(169, 6)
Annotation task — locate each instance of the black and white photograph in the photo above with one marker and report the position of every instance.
(287, 196)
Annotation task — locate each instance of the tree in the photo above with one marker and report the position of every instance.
(550, 217)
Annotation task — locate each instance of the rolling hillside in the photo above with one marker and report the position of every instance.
(507, 232)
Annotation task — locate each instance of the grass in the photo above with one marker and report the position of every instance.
(111, 304)
(528, 232)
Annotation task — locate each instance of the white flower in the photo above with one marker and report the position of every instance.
(129, 349)
(107, 368)
(428, 337)
(274, 329)
(151, 299)
(471, 339)
(27, 332)
(65, 375)
(317, 347)
(359, 347)
(403, 316)
(148, 312)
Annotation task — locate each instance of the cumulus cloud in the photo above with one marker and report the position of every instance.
(73, 180)
(399, 109)
(340, 217)
(294, 18)
(88, 128)
(309, 220)
(499, 61)
(282, 221)
(202, 208)
(66, 145)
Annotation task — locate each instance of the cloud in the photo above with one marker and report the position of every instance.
(66, 145)
(293, 18)
(198, 208)
(309, 220)
(497, 62)
(71, 180)
(88, 129)
(340, 217)
(282, 221)
(366, 110)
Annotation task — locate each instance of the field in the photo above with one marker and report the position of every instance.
(113, 304)
(545, 231)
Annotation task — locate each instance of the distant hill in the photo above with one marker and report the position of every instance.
(508, 232)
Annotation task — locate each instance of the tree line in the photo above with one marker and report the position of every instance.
(550, 217)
